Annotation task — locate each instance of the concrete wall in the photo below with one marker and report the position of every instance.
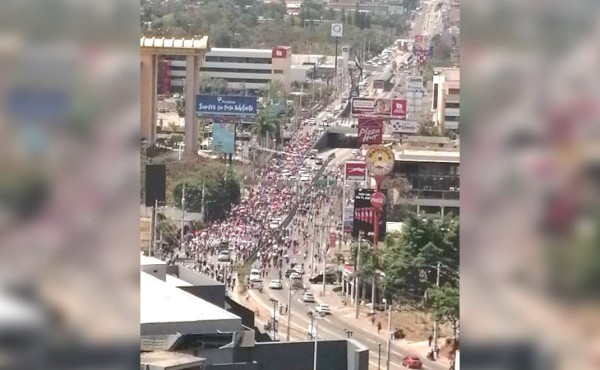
(242, 366)
(331, 355)
(358, 356)
(245, 314)
(212, 294)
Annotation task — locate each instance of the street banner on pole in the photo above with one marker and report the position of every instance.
(363, 215)
(355, 171)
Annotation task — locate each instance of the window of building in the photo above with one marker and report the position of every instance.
(247, 80)
(211, 58)
(451, 118)
(278, 71)
(453, 91)
(452, 105)
(435, 96)
(235, 70)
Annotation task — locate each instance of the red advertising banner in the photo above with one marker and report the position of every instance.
(356, 171)
(398, 108)
(370, 130)
(279, 53)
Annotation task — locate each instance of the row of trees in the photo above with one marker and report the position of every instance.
(409, 262)
(236, 23)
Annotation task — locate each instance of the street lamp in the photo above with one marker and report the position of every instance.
(378, 356)
(314, 320)
(289, 308)
(348, 333)
(274, 301)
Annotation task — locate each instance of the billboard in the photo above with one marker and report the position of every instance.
(371, 107)
(403, 127)
(279, 53)
(362, 220)
(398, 108)
(348, 219)
(370, 130)
(223, 137)
(217, 105)
(355, 171)
(337, 29)
(414, 83)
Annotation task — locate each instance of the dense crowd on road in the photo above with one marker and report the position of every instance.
(252, 223)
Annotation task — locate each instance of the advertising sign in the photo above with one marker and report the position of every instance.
(355, 171)
(421, 43)
(348, 219)
(403, 127)
(371, 107)
(398, 108)
(414, 83)
(279, 53)
(223, 137)
(217, 105)
(337, 29)
(363, 215)
(380, 160)
(370, 130)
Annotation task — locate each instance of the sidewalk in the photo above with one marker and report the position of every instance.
(348, 311)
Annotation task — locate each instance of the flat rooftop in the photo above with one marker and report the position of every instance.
(165, 359)
(176, 282)
(147, 260)
(163, 303)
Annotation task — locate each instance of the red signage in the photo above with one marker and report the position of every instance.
(356, 171)
(370, 130)
(378, 200)
(399, 108)
(279, 53)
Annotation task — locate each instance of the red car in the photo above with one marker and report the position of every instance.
(412, 362)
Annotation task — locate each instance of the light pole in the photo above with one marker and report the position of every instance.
(348, 333)
(378, 356)
(274, 301)
(289, 310)
(314, 320)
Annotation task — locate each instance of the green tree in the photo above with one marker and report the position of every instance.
(265, 124)
(410, 258)
(444, 302)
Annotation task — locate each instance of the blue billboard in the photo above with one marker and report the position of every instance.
(223, 137)
(222, 105)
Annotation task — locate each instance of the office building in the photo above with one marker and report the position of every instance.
(242, 69)
(446, 98)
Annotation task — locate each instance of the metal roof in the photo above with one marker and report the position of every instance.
(174, 46)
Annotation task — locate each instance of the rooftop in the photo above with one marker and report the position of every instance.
(163, 303)
(166, 360)
(147, 260)
(177, 282)
(161, 45)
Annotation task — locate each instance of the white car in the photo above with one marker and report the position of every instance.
(255, 276)
(304, 178)
(323, 309)
(295, 275)
(299, 269)
(308, 297)
(275, 284)
(224, 256)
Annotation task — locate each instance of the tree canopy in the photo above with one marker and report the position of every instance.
(254, 24)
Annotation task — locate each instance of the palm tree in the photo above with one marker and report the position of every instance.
(265, 124)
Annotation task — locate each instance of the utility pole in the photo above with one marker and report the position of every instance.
(312, 247)
(356, 276)
(435, 324)
(379, 356)
(289, 311)
(274, 301)
(202, 211)
(324, 254)
(182, 213)
(389, 335)
(316, 321)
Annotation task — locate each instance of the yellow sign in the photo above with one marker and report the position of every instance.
(380, 160)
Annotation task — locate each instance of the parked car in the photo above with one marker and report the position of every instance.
(412, 362)
(308, 297)
(224, 256)
(255, 276)
(323, 309)
(275, 284)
